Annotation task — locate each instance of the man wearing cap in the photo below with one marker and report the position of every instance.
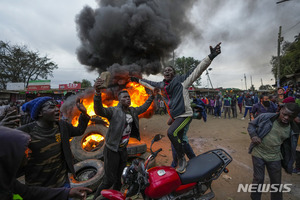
(51, 157)
(273, 145)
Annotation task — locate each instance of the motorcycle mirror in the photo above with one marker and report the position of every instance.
(157, 137)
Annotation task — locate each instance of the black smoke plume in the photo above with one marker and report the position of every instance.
(134, 36)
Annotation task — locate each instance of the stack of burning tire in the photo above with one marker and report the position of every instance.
(87, 150)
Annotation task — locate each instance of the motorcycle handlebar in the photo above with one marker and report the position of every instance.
(156, 152)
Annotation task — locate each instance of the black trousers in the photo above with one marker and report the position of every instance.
(114, 163)
(175, 133)
(297, 159)
(274, 171)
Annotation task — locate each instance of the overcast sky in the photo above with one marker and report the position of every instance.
(248, 31)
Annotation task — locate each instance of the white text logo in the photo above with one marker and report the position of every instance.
(264, 188)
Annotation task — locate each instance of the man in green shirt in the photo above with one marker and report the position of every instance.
(273, 145)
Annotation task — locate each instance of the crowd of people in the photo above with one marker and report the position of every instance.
(248, 104)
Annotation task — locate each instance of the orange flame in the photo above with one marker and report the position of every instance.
(92, 139)
(138, 97)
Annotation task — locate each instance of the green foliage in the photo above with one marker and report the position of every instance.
(184, 64)
(18, 64)
(290, 59)
(266, 87)
(84, 83)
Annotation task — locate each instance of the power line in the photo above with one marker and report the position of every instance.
(291, 27)
(281, 1)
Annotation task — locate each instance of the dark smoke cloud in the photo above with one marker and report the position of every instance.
(132, 35)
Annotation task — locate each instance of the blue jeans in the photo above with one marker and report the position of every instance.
(246, 110)
(218, 111)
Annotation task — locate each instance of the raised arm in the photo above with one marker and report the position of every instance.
(143, 108)
(83, 120)
(98, 106)
(148, 84)
(192, 77)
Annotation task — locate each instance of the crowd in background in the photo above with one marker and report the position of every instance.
(248, 104)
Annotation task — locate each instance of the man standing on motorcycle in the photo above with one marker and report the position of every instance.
(273, 145)
(176, 96)
(124, 123)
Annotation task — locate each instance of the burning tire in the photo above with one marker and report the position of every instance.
(83, 147)
(89, 173)
(90, 145)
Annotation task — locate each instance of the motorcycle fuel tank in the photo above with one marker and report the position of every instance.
(163, 180)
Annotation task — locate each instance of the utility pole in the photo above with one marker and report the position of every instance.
(280, 39)
(242, 84)
(261, 81)
(245, 81)
(209, 79)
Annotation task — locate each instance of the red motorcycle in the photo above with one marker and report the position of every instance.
(164, 183)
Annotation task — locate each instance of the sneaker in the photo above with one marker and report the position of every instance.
(296, 171)
(243, 118)
(219, 117)
(181, 165)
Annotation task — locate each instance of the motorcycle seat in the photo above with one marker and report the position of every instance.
(200, 168)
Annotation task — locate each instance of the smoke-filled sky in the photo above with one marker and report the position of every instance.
(247, 29)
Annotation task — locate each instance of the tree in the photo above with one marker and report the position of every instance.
(290, 59)
(183, 65)
(265, 87)
(84, 83)
(18, 64)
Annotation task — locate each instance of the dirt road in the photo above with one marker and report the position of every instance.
(229, 134)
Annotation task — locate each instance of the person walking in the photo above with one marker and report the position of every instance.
(248, 106)
(227, 106)
(233, 106)
(218, 106)
(240, 101)
(273, 145)
(211, 105)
